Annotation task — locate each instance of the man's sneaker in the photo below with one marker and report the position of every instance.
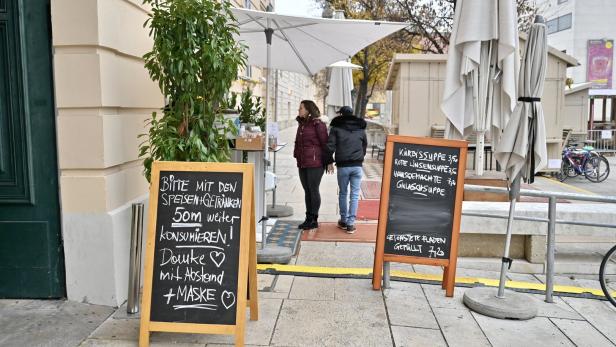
(350, 229)
(342, 225)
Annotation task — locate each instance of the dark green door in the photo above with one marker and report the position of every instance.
(31, 257)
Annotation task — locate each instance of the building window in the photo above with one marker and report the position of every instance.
(247, 4)
(559, 24)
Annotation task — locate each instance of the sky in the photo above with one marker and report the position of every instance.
(298, 8)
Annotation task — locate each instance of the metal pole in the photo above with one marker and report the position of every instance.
(386, 268)
(134, 266)
(275, 120)
(549, 276)
(269, 32)
(514, 193)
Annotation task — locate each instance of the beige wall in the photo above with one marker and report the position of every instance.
(417, 81)
(103, 97)
(576, 109)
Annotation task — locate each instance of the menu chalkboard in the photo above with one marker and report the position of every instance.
(197, 247)
(197, 261)
(421, 204)
(422, 194)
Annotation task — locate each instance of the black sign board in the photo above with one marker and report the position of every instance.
(422, 193)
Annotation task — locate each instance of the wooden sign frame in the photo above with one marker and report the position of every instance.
(247, 295)
(449, 274)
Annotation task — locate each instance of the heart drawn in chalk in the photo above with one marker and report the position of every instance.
(217, 257)
(228, 299)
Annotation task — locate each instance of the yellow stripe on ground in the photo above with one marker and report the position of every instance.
(332, 271)
(581, 190)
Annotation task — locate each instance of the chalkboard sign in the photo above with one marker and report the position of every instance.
(422, 192)
(199, 244)
(421, 198)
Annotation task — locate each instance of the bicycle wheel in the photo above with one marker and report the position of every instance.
(597, 168)
(607, 275)
(566, 170)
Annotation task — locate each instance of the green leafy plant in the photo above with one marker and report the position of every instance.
(194, 59)
(251, 109)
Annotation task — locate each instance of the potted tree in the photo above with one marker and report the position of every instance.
(194, 59)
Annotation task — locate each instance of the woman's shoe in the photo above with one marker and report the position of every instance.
(305, 222)
(313, 224)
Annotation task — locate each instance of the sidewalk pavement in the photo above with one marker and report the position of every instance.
(311, 311)
(314, 311)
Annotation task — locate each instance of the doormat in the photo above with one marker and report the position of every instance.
(368, 209)
(285, 234)
(329, 232)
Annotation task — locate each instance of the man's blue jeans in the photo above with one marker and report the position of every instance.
(350, 175)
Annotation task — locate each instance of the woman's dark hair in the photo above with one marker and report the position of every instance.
(311, 107)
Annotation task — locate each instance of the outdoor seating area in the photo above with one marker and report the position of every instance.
(295, 173)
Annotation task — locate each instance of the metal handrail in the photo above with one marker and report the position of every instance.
(551, 220)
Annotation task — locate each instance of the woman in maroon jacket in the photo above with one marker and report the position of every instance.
(310, 153)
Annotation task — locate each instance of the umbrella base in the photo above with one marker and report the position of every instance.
(512, 306)
(274, 255)
(279, 211)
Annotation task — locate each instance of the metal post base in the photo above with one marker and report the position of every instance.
(279, 211)
(274, 255)
(512, 306)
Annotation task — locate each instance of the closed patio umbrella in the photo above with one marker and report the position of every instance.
(522, 150)
(482, 71)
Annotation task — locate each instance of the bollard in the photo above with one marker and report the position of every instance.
(134, 266)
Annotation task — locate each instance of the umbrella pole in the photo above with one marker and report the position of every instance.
(272, 253)
(514, 193)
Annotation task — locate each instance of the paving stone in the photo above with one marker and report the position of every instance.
(597, 313)
(523, 277)
(347, 289)
(558, 309)
(331, 323)
(460, 328)
(477, 273)
(264, 281)
(312, 288)
(436, 297)
(407, 337)
(407, 306)
(581, 333)
(257, 332)
(281, 289)
(117, 329)
(49, 322)
(538, 331)
(427, 269)
(332, 255)
(123, 343)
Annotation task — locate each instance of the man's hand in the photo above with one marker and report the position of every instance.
(330, 168)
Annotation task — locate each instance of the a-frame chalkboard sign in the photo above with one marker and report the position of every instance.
(421, 205)
(201, 261)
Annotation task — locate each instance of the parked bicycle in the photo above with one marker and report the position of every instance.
(583, 161)
(607, 275)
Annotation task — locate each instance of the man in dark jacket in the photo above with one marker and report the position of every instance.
(347, 141)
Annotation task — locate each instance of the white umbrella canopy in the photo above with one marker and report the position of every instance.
(345, 64)
(340, 86)
(306, 44)
(480, 89)
(522, 149)
(301, 44)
